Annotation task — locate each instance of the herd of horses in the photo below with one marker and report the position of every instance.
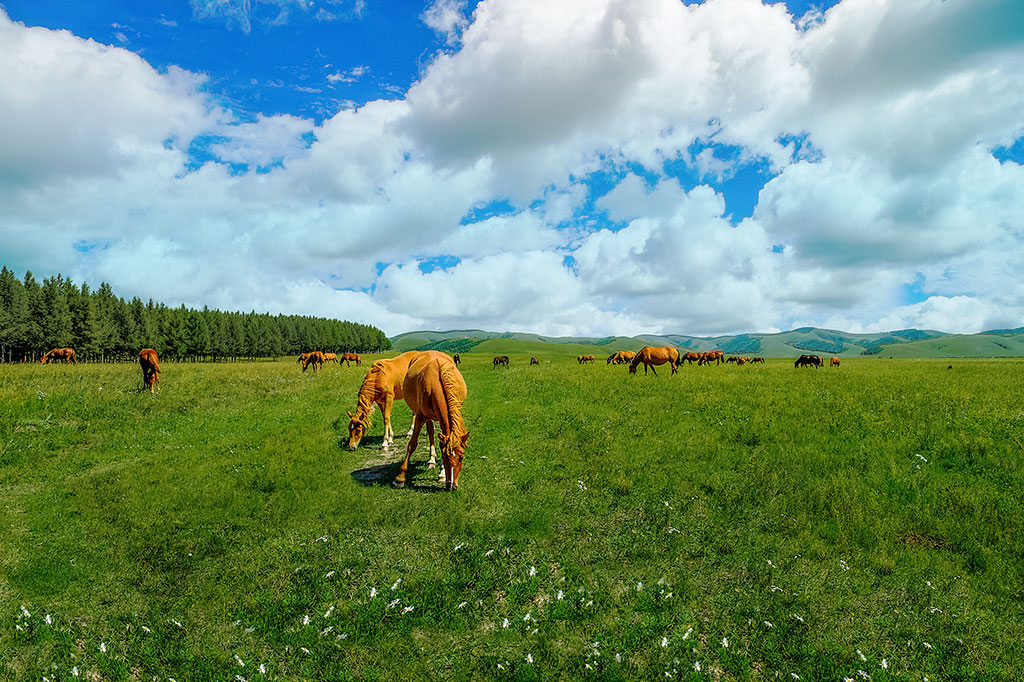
(316, 359)
(432, 386)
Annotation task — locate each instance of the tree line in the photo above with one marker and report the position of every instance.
(101, 327)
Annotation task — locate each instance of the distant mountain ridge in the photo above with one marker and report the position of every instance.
(897, 343)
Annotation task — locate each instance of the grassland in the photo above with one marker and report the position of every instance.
(726, 523)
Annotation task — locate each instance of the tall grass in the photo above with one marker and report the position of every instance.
(724, 523)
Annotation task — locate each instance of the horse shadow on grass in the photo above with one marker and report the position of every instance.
(379, 473)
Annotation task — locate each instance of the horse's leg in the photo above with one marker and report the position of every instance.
(433, 451)
(389, 437)
(653, 370)
(399, 481)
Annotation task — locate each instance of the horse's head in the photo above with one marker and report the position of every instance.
(357, 428)
(453, 449)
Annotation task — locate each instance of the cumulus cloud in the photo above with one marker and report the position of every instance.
(568, 116)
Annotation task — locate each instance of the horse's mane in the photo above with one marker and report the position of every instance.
(453, 408)
(367, 392)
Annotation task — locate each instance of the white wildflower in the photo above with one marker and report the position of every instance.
(725, 642)
(639, 587)
(927, 645)
(529, 658)
(262, 669)
(25, 612)
(767, 624)
(560, 595)
(618, 658)
(795, 676)
(103, 647)
(458, 547)
(146, 630)
(329, 574)
(407, 609)
(239, 661)
(686, 635)
(884, 664)
(463, 605)
(373, 592)
(504, 623)
(842, 565)
(304, 650)
(664, 642)
(861, 656)
(489, 552)
(395, 603)
(396, 584)
(305, 619)
(798, 618)
(672, 529)
(327, 614)
(47, 619)
(696, 666)
(74, 671)
(533, 571)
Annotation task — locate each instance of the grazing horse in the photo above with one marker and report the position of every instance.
(381, 386)
(534, 361)
(150, 368)
(731, 358)
(834, 362)
(65, 354)
(349, 358)
(435, 390)
(742, 361)
(809, 361)
(315, 358)
(584, 359)
(331, 357)
(457, 359)
(760, 360)
(655, 355)
(690, 358)
(622, 357)
(501, 360)
(716, 356)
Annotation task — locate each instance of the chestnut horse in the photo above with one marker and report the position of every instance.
(760, 360)
(316, 359)
(381, 386)
(435, 390)
(690, 358)
(65, 354)
(655, 355)
(534, 361)
(834, 362)
(809, 361)
(349, 358)
(150, 368)
(584, 358)
(622, 357)
(500, 360)
(331, 357)
(716, 356)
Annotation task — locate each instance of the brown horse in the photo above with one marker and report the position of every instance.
(655, 355)
(457, 359)
(584, 359)
(501, 360)
(534, 361)
(834, 362)
(690, 358)
(349, 358)
(331, 357)
(65, 354)
(715, 356)
(809, 361)
(316, 359)
(760, 360)
(622, 357)
(435, 390)
(150, 368)
(381, 386)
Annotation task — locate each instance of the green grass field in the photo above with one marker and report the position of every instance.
(726, 523)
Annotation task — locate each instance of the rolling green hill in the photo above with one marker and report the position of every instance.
(903, 343)
(899, 343)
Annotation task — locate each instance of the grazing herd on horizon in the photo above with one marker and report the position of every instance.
(432, 386)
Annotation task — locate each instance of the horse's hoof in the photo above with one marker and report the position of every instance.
(398, 484)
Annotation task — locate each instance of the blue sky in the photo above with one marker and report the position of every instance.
(710, 167)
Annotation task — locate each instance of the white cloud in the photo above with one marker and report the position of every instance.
(541, 107)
